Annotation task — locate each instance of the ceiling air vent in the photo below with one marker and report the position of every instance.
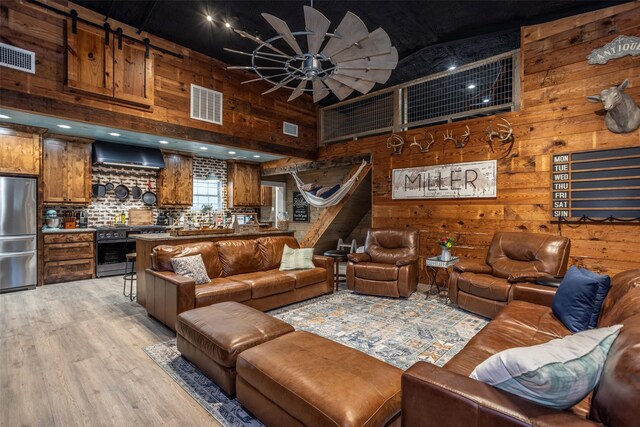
(16, 58)
(206, 104)
(289, 129)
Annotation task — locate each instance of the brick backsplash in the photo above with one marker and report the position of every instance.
(101, 211)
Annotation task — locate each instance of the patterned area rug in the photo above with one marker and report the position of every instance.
(398, 331)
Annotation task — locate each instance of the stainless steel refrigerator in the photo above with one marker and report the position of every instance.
(18, 233)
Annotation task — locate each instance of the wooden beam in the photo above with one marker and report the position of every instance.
(35, 104)
(321, 225)
(286, 165)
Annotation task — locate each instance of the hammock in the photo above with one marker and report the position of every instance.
(334, 199)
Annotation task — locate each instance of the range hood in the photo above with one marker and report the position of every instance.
(108, 153)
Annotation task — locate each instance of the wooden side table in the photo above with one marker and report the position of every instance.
(432, 266)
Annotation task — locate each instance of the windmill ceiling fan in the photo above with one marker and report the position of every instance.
(351, 59)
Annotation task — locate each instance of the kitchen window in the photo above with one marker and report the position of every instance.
(207, 192)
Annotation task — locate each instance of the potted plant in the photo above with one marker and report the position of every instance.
(446, 243)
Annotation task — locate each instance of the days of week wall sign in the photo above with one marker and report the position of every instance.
(596, 184)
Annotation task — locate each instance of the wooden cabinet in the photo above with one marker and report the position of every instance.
(66, 171)
(68, 256)
(175, 181)
(266, 196)
(243, 184)
(19, 152)
(99, 64)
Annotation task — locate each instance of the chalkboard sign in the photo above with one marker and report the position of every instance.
(300, 208)
(596, 184)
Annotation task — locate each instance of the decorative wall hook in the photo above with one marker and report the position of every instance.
(464, 139)
(396, 143)
(503, 134)
(424, 149)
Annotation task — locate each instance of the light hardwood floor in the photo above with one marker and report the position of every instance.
(71, 354)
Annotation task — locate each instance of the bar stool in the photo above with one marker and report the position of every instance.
(129, 275)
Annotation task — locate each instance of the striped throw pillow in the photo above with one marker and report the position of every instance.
(296, 259)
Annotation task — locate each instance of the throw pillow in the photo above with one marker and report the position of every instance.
(557, 374)
(579, 298)
(326, 192)
(309, 187)
(191, 266)
(296, 259)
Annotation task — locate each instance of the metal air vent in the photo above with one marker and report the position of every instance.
(18, 59)
(206, 104)
(289, 129)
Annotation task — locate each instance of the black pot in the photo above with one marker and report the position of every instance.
(98, 190)
(122, 192)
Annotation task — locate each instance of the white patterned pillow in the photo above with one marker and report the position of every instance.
(296, 259)
(557, 374)
(191, 266)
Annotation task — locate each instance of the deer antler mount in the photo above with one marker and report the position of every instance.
(429, 142)
(396, 143)
(459, 143)
(503, 134)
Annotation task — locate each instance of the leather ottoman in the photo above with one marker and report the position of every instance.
(212, 337)
(301, 379)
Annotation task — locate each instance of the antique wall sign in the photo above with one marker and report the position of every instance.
(456, 180)
(300, 208)
(617, 48)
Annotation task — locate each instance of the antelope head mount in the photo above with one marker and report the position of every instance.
(459, 143)
(429, 142)
(503, 134)
(396, 143)
(623, 115)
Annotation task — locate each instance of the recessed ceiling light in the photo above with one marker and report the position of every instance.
(471, 86)
(4, 116)
(209, 18)
(204, 148)
(163, 142)
(486, 100)
(114, 134)
(64, 126)
(453, 67)
(256, 156)
(232, 152)
(226, 24)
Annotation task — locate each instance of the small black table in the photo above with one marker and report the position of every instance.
(432, 266)
(338, 257)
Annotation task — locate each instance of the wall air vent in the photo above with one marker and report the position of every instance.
(18, 59)
(206, 105)
(289, 129)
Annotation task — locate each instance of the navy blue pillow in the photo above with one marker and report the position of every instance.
(579, 298)
(328, 193)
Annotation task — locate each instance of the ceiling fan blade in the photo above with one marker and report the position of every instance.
(317, 24)
(378, 76)
(380, 62)
(282, 28)
(339, 89)
(279, 85)
(362, 86)
(260, 42)
(351, 30)
(298, 90)
(320, 91)
(378, 43)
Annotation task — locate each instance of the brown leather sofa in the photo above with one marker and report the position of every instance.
(513, 259)
(244, 271)
(389, 265)
(433, 396)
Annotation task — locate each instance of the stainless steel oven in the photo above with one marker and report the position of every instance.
(113, 244)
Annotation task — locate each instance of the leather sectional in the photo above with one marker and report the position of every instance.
(244, 271)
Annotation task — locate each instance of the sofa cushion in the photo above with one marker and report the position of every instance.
(306, 277)
(485, 286)
(296, 259)
(222, 289)
(271, 249)
(376, 271)
(208, 250)
(557, 374)
(265, 283)
(192, 267)
(239, 256)
(578, 299)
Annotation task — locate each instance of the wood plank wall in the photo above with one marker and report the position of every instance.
(554, 117)
(250, 120)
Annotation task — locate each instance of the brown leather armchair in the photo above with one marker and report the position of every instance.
(514, 262)
(389, 265)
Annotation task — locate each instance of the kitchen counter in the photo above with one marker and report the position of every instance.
(68, 230)
(166, 237)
